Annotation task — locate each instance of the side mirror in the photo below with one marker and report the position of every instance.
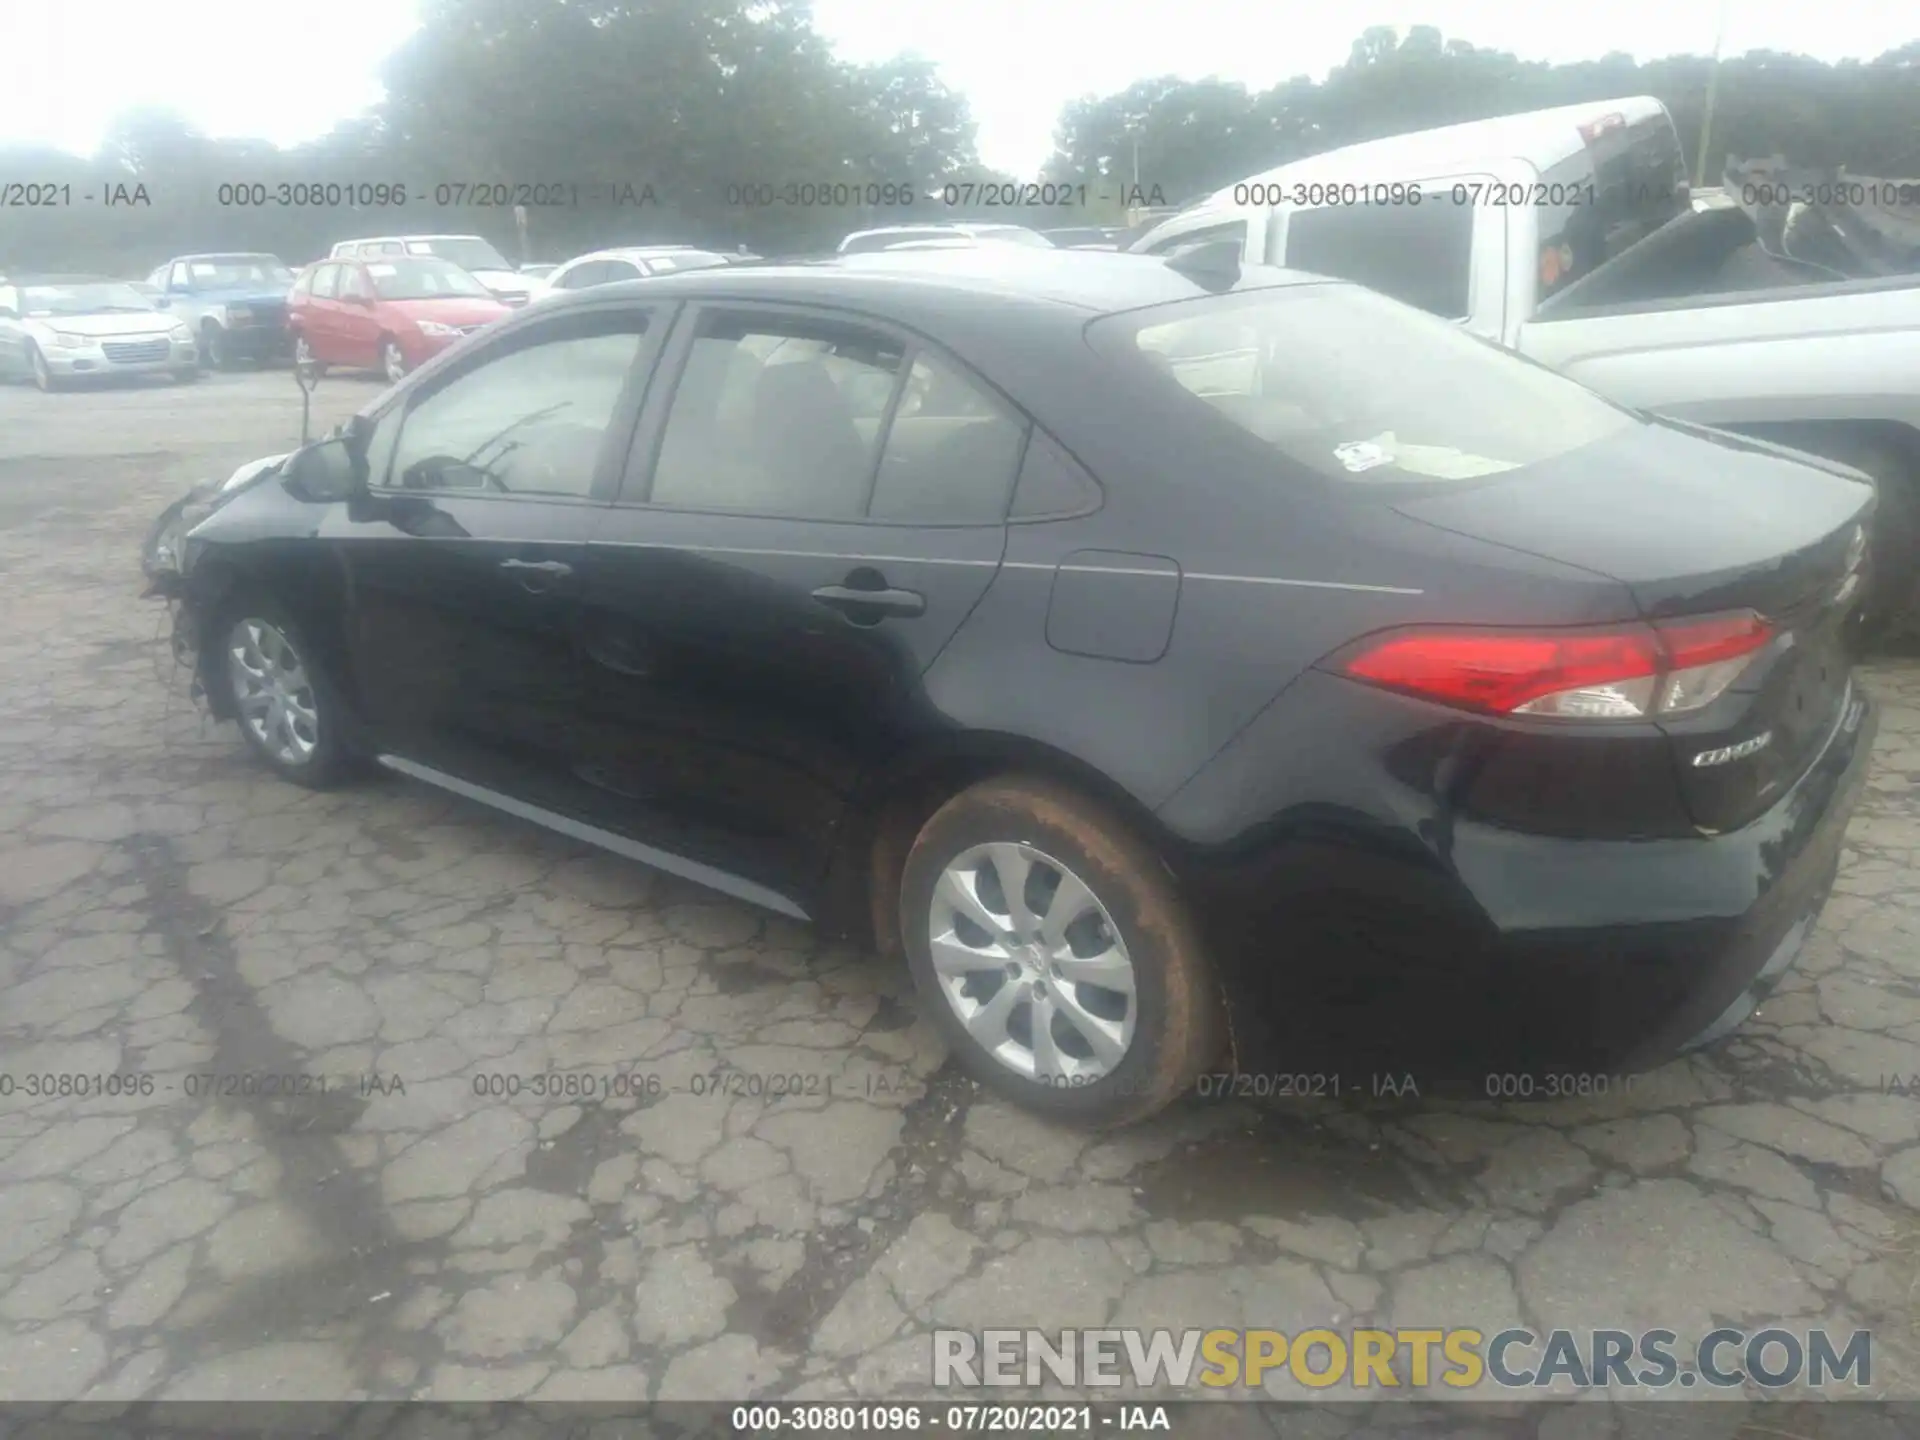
(325, 471)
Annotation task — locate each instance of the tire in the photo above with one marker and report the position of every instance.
(214, 351)
(300, 738)
(43, 375)
(393, 364)
(303, 352)
(1127, 910)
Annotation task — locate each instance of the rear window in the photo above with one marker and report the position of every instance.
(1421, 254)
(1625, 182)
(1358, 387)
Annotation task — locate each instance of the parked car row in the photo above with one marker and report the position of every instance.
(1183, 667)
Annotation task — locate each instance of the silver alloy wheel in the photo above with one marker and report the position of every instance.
(42, 372)
(1032, 964)
(393, 362)
(302, 352)
(271, 687)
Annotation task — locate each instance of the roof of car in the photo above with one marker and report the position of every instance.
(928, 281)
(17, 278)
(227, 255)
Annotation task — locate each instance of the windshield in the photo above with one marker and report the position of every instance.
(468, 251)
(238, 272)
(423, 278)
(84, 298)
(1361, 388)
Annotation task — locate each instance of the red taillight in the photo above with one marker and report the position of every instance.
(1618, 673)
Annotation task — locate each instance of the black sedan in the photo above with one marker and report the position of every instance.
(1190, 670)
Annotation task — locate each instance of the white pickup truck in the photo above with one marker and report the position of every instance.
(1571, 236)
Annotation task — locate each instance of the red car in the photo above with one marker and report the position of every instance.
(389, 313)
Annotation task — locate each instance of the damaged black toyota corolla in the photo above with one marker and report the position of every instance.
(1185, 669)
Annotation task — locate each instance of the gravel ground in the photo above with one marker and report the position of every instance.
(169, 910)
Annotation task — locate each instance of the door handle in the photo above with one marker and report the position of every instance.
(860, 604)
(559, 569)
(538, 576)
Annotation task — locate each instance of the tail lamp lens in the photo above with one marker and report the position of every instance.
(1628, 672)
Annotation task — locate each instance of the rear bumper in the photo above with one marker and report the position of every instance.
(1465, 952)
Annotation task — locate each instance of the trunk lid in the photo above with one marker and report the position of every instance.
(1695, 523)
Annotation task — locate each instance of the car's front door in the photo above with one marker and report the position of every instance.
(317, 318)
(13, 334)
(462, 562)
(797, 538)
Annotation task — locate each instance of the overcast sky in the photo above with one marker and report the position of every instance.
(286, 73)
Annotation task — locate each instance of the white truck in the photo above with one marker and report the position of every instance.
(1572, 237)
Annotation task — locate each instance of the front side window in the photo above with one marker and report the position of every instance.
(1358, 387)
(353, 284)
(326, 281)
(777, 418)
(1417, 253)
(529, 422)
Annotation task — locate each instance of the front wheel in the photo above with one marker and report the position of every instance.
(289, 715)
(43, 375)
(303, 355)
(1052, 951)
(215, 351)
(393, 364)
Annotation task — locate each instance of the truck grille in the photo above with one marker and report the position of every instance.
(135, 352)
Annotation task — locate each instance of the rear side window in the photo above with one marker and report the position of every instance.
(1417, 253)
(325, 281)
(951, 452)
(1358, 387)
(1624, 183)
(777, 418)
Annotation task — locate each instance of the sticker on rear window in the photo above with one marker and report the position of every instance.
(1361, 455)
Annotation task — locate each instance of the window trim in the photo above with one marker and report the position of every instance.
(538, 329)
(636, 487)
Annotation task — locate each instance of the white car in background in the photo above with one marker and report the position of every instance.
(474, 254)
(627, 262)
(893, 237)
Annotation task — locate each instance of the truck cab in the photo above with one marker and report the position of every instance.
(1478, 223)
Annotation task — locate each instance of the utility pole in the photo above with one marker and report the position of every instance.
(1713, 91)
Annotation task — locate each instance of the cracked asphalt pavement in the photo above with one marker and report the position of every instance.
(169, 910)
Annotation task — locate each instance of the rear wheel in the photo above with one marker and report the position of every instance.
(393, 364)
(290, 716)
(1052, 951)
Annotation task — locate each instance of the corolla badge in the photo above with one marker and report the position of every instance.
(1726, 754)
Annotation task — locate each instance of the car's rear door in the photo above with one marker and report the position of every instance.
(463, 563)
(355, 321)
(793, 545)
